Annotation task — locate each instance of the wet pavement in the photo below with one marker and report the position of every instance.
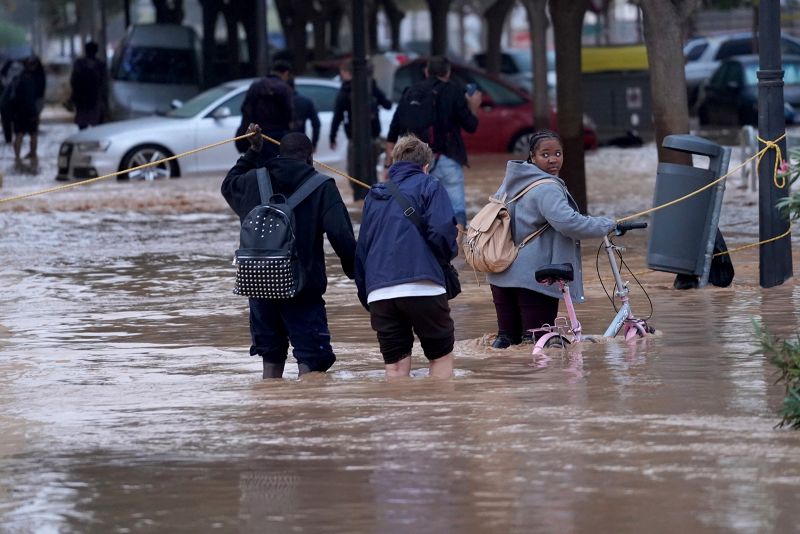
(129, 403)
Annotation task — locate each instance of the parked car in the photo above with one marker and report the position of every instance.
(731, 95)
(704, 54)
(154, 65)
(516, 67)
(505, 119)
(209, 117)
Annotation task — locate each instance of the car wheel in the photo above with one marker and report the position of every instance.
(145, 154)
(521, 143)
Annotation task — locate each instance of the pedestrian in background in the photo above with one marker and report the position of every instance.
(28, 94)
(342, 114)
(9, 75)
(269, 104)
(89, 84)
(301, 320)
(454, 111)
(398, 266)
(305, 111)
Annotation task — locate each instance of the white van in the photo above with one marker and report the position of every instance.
(154, 65)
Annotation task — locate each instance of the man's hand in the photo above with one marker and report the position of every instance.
(474, 101)
(256, 141)
(333, 145)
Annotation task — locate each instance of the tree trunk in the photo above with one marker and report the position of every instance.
(495, 17)
(537, 22)
(567, 18)
(232, 30)
(294, 15)
(664, 24)
(439, 10)
(395, 16)
(319, 19)
(211, 10)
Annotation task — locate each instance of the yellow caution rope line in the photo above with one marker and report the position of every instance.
(326, 167)
(125, 171)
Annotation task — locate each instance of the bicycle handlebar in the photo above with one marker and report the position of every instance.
(623, 227)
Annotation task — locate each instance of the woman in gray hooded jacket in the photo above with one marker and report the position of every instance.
(520, 301)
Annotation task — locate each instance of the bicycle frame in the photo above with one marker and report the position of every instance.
(570, 330)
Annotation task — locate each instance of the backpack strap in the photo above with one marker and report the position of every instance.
(306, 189)
(264, 184)
(530, 186)
(546, 225)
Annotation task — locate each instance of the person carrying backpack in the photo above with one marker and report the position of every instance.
(436, 110)
(399, 271)
(547, 209)
(342, 115)
(301, 319)
(269, 104)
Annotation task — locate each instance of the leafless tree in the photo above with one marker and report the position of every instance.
(538, 23)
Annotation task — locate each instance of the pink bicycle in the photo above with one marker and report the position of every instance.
(567, 330)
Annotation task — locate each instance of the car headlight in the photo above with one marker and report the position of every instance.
(93, 146)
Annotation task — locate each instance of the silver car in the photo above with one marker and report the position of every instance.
(209, 117)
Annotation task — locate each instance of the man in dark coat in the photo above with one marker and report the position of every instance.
(342, 114)
(301, 320)
(89, 84)
(305, 111)
(29, 90)
(269, 104)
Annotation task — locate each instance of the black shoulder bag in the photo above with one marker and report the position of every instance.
(452, 284)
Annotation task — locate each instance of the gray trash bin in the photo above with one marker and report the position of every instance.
(682, 236)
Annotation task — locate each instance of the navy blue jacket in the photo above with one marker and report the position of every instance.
(390, 249)
(304, 110)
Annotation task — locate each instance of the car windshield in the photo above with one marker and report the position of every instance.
(192, 107)
(147, 64)
(791, 73)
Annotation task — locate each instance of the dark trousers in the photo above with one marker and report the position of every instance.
(303, 322)
(520, 310)
(8, 132)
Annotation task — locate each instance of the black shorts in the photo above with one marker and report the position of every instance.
(397, 320)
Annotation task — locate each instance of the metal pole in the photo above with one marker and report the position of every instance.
(359, 103)
(775, 258)
(127, 9)
(261, 38)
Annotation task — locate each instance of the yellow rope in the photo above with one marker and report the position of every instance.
(778, 159)
(326, 167)
(142, 166)
(759, 154)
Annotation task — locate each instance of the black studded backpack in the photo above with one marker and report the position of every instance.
(267, 265)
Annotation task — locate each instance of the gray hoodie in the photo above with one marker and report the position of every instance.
(559, 244)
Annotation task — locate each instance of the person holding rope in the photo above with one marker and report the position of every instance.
(521, 303)
(301, 320)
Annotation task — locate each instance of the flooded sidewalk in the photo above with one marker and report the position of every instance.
(129, 403)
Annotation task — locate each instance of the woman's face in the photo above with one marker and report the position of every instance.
(548, 156)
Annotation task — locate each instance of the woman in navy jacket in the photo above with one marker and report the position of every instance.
(398, 273)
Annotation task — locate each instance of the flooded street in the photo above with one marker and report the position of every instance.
(129, 403)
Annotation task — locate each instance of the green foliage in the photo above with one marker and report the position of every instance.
(790, 205)
(785, 356)
(10, 34)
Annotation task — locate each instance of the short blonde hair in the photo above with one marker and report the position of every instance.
(411, 148)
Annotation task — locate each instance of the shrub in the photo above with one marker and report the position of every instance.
(785, 355)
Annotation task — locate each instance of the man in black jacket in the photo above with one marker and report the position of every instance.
(300, 320)
(342, 115)
(269, 104)
(455, 111)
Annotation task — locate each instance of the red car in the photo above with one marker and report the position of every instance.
(505, 120)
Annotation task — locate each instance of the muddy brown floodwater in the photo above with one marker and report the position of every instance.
(128, 402)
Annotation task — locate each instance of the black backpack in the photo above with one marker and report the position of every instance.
(267, 264)
(418, 111)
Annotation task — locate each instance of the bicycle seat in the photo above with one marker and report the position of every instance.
(554, 272)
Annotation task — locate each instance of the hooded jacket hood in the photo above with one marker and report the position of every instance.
(520, 174)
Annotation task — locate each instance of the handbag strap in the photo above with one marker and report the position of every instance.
(264, 184)
(408, 210)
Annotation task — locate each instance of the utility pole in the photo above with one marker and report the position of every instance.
(261, 38)
(359, 98)
(775, 258)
